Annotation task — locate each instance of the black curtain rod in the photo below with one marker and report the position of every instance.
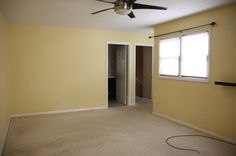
(212, 24)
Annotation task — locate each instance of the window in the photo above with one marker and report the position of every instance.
(184, 56)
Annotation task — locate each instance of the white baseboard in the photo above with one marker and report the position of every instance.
(5, 135)
(57, 112)
(194, 127)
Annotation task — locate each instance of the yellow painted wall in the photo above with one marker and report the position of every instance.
(184, 100)
(56, 68)
(4, 107)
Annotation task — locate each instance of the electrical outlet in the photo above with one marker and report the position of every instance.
(201, 115)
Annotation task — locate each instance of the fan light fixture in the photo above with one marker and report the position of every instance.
(122, 8)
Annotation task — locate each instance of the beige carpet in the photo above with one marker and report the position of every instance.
(117, 131)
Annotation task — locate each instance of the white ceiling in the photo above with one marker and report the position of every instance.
(76, 13)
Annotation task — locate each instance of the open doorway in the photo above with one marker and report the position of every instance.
(117, 74)
(144, 71)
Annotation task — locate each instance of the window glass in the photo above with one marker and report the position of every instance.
(194, 59)
(169, 56)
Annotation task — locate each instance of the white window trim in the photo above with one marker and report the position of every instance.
(180, 34)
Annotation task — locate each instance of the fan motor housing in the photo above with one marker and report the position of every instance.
(122, 8)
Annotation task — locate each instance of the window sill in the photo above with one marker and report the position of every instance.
(184, 78)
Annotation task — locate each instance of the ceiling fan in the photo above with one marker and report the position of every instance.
(125, 7)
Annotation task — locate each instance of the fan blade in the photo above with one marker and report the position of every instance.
(101, 11)
(106, 1)
(131, 15)
(144, 6)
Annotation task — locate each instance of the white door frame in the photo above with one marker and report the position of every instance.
(145, 45)
(129, 67)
